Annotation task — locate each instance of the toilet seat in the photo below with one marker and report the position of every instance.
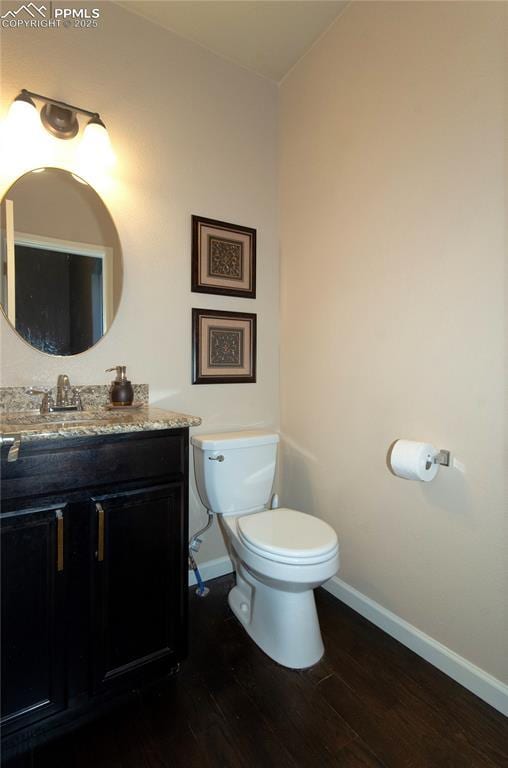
(287, 536)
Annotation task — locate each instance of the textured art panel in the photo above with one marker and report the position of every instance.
(224, 347)
(223, 258)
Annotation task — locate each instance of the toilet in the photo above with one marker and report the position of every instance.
(280, 555)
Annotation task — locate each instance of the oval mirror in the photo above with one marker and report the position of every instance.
(61, 276)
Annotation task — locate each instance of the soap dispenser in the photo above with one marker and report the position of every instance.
(121, 391)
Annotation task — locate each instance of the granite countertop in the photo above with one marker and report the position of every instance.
(30, 426)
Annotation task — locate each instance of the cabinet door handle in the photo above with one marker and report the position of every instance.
(59, 540)
(100, 531)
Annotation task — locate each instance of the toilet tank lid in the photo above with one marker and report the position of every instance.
(222, 441)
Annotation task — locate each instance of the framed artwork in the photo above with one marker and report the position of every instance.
(223, 258)
(223, 347)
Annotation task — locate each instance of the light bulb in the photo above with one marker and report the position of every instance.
(95, 150)
(24, 142)
(23, 116)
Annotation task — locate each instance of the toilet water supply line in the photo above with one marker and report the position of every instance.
(194, 545)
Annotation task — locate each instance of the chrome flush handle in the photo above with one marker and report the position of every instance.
(216, 458)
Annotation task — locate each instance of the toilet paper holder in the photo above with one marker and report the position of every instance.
(442, 458)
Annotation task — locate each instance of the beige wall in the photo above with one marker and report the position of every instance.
(193, 134)
(393, 254)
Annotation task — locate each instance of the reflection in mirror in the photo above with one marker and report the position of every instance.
(61, 276)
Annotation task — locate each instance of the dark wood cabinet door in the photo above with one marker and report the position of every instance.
(33, 659)
(139, 620)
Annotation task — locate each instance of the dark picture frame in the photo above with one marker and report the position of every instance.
(223, 258)
(223, 347)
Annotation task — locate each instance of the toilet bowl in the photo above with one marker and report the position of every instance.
(280, 555)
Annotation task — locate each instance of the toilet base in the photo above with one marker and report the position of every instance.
(284, 624)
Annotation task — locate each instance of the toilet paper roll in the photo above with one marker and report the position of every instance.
(414, 461)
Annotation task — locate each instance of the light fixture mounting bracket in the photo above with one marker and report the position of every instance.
(59, 121)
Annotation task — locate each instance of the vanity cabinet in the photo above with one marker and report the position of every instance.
(94, 576)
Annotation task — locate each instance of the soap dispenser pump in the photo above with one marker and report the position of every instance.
(121, 391)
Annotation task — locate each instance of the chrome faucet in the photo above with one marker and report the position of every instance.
(63, 387)
(67, 398)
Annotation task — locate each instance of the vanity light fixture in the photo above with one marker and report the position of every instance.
(59, 118)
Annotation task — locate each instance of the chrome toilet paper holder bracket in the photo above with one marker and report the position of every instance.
(442, 458)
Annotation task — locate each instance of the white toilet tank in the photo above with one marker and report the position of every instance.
(242, 479)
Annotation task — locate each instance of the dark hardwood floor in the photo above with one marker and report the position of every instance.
(369, 703)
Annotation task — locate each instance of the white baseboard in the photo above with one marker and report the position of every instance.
(487, 687)
(212, 569)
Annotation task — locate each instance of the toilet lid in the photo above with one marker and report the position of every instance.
(288, 533)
